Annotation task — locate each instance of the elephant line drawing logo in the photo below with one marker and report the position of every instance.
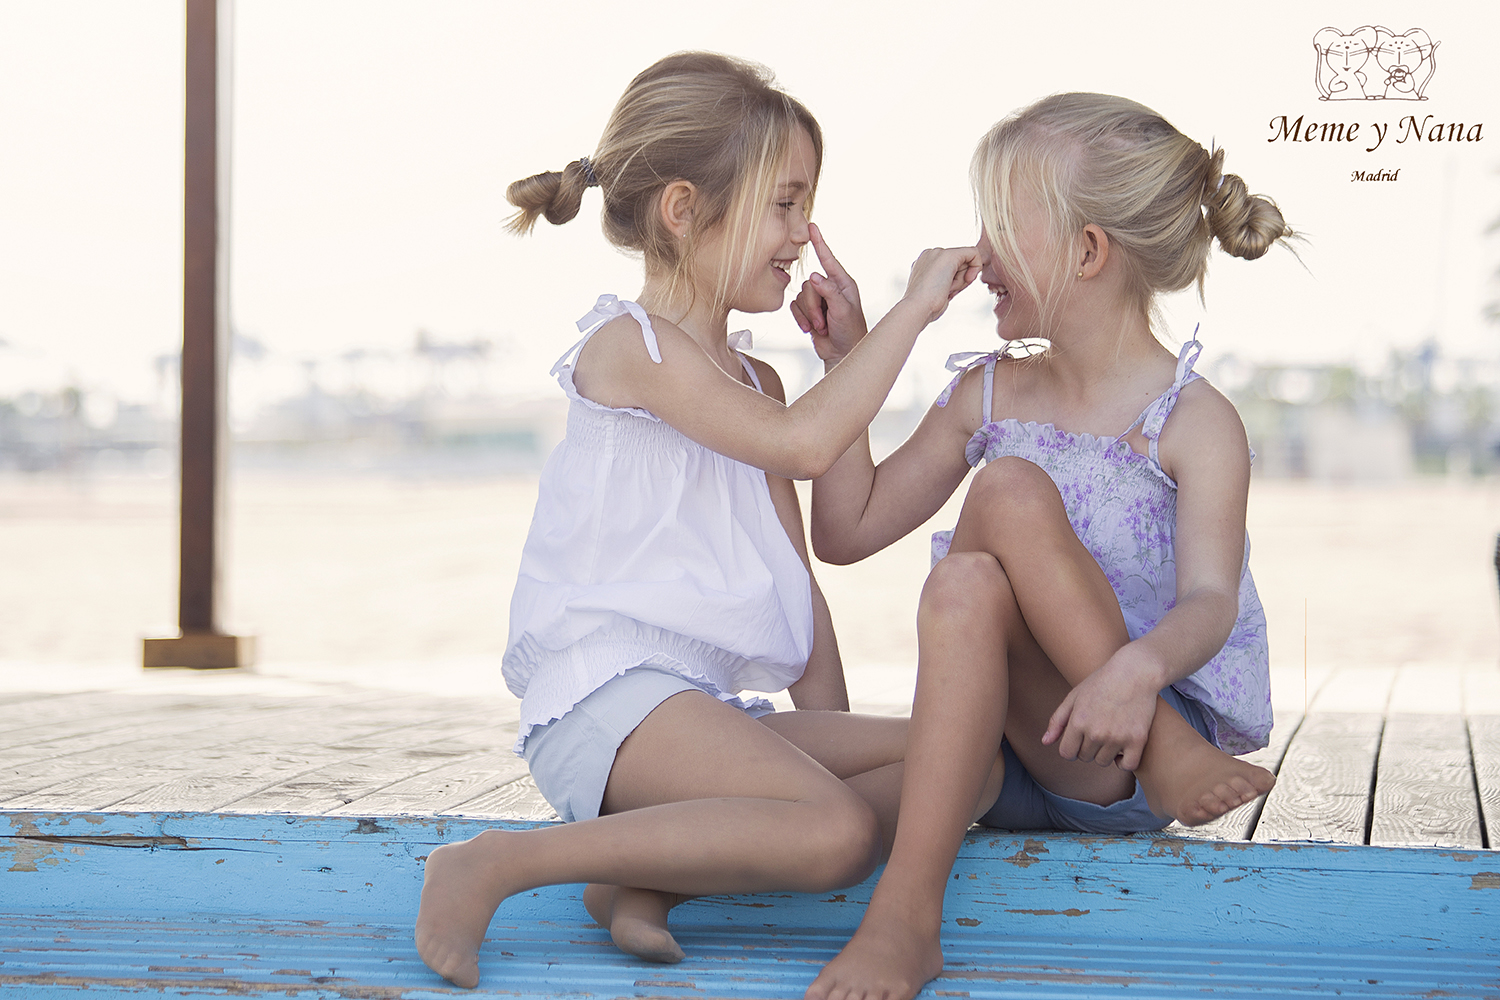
(1372, 63)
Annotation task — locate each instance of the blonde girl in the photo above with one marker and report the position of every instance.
(1092, 615)
(666, 569)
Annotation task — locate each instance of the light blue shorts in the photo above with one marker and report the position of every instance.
(571, 757)
(1026, 805)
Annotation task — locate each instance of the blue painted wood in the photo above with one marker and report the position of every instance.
(207, 905)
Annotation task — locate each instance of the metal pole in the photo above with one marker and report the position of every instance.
(205, 344)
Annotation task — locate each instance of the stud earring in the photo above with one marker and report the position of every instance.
(1080, 272)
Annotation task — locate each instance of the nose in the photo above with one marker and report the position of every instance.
(800, 234)
(986, 251)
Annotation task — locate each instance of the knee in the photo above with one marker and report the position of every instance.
(963, 583)
(843, 848)
(1018, 488)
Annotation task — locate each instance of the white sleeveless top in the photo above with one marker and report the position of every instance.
(647, 548)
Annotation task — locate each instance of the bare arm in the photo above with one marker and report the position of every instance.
(822, 684)
(801, 441)
(1203, 448)
(859, 507)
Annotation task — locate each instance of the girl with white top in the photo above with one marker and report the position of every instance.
(1092, 616)
(666, 570)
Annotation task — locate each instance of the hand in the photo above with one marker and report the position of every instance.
(938, 275)
(1106, 718)
(828, 308)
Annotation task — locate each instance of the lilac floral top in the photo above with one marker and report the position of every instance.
(1124, 508)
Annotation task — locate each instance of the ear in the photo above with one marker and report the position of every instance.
(1094, 250)
(677, 202)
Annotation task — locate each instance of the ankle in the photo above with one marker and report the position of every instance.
(913, 907)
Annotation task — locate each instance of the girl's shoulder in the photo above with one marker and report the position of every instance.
(987, 386)
(1202, 425)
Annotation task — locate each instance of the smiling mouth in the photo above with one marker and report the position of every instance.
(1001, 293)
(784, 265)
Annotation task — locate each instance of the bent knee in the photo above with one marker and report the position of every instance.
(1018, 486)
(843, 846)
(962, 581)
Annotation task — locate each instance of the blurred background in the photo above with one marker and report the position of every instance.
(389, 398)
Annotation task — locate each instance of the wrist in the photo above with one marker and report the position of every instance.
(915, 311)
(1142, 668)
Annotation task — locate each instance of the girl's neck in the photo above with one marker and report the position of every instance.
(1098, 346)
(692, 310)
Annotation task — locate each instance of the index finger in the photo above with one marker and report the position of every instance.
(825, 256)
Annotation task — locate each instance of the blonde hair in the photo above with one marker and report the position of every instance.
(1107, 161)
(718, 122)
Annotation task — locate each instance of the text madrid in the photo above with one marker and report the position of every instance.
(1282, 127)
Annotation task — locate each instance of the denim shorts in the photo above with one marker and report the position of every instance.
(1026, 805)
(571, 757)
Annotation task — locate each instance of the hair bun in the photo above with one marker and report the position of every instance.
(1246, 225)
(553, 195)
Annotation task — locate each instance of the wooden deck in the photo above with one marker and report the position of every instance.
(234, 835)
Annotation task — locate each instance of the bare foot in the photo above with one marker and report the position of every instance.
(599, 900)
(636, 920)
(887, 959)
(460, 892)
(1195, 782)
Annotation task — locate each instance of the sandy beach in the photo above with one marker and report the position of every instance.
(408, 582)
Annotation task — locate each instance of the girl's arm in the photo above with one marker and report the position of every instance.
(858, 507)
(801, 441)
(822, 684)
(1204, 449)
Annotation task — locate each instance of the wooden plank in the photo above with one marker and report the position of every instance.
(1484, 743)
(170, 771)
(132, 722)
(121, 904)
(518, 800)
(1323, 789)
(441, 788)
(252, 769)
(344, 781)
(1424, 785)
(1239, 824)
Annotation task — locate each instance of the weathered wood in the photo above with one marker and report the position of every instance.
(347, 779)
(1424, 784)
(518, 800)
(203, 739)
(133, 773)
(1239, 824)
(1323, 790)
(271, 906)
(1484, 743)
(441, 788)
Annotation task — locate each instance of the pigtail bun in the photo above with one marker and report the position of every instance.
(553, 195)
(1246, 225)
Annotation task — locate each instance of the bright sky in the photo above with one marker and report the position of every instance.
(374, 139)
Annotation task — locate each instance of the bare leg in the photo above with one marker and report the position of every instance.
(671, 829)
(1024, 611)
(864, 750)
(964, 623)
(1075, 617)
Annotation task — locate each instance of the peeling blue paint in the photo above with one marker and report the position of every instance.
(263, 905)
